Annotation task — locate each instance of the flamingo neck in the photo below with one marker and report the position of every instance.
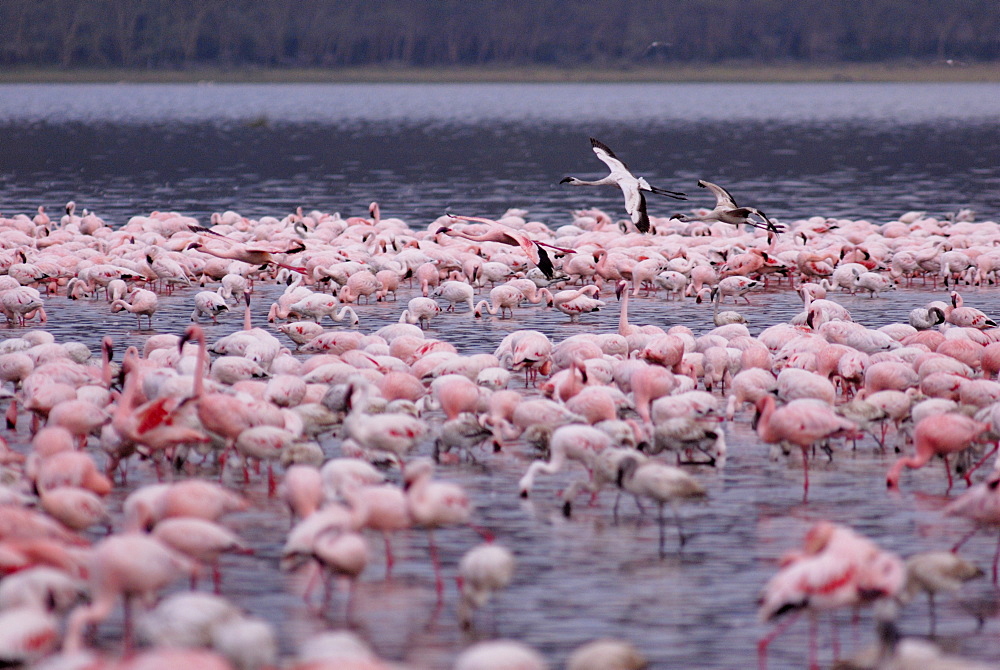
(199, 373)
(623, 316)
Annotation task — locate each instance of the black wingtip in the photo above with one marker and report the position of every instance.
(545, 263)
(597, 144)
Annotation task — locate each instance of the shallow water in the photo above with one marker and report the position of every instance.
(587, 577)
(795, 150)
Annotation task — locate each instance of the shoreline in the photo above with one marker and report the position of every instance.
(725, 73)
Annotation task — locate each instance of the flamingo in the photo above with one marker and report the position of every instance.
(126, 566)
(200, 540)
(141, 303)
(938, 435)
(606, 653)
(574, 442)
(727, 211)
(934, 572)
(631, 186)
(209, 303)
(662, 484)
(802, 423)
(500, 655)
(981, 505)
(503, 297)
(501, 234)
(420, 310)
(381, 507)
(455, 292)
(483, 570)
(836, 568)
(246, 254)
(575, 303)
(434, 504)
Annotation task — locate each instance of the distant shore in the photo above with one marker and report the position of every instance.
(843, 72)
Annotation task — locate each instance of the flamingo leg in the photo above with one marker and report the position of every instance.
(968, 474)
(947, 469)
(805, 474)
(964, 539)
(389, 560)
(813, 647)
(996, 559)
(763, 643)
(438, 581)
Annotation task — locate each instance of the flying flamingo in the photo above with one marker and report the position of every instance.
(501, 234)
(726, 211)
(631, 186)
(240, 252)
(939, 434)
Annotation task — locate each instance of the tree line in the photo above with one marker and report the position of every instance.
(603, 33)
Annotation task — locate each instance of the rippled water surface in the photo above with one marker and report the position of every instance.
(794, 150)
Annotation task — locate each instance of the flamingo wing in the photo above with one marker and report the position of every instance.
(723, 199)
(608, 157)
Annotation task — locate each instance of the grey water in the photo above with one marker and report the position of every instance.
(842, 150)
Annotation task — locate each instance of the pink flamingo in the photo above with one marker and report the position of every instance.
(383, 508)
(802, 423)
(222, 414)
(624, 327)
(302, 490)
(981, 505)
(502, 298)
(200, 540)
(501, 234)
(141, 302)
(575, 303)
(434, 504)
(241, 252)
(938, 435)
(126, 566)
(836, 568)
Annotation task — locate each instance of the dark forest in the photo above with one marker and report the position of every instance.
(181, 34)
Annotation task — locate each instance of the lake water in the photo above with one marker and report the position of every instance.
(845, 150)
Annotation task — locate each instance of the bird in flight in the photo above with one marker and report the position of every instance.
(727, 211)
(501, 234)
(631, 186)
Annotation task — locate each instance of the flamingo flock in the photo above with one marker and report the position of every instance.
(125, 476)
